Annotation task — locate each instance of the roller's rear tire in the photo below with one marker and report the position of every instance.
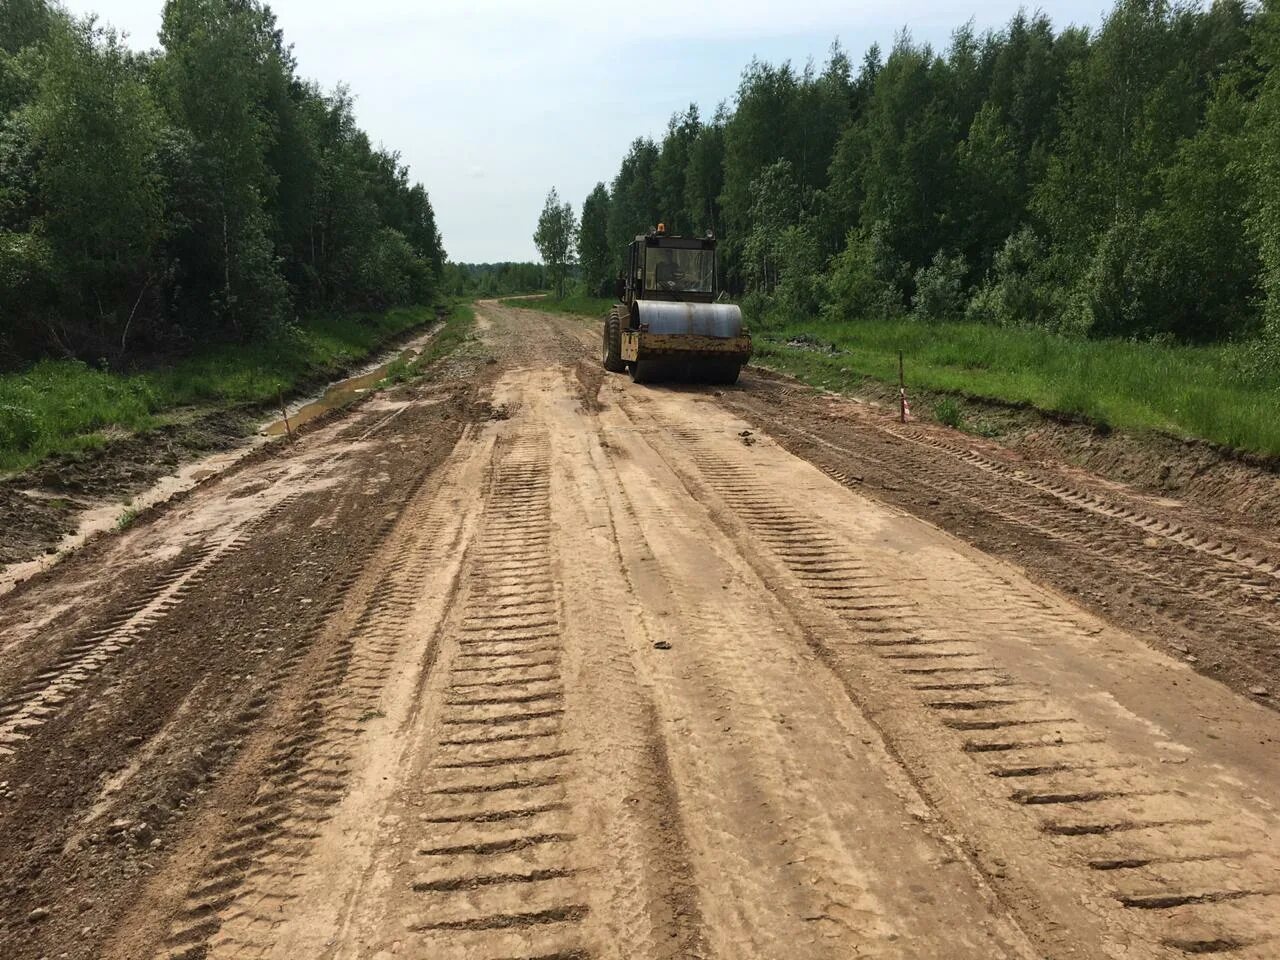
(726, 373)
(612, 352)
(643, 371)
(719, 372)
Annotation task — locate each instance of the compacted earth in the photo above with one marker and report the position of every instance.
(527, 661)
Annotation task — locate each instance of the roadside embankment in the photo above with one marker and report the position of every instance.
(1211, 393)
(108, 443)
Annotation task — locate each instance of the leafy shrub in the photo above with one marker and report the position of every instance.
(757, 311)
(857, 285)
(1016, 292)
(1113, 294)
(19, 427)
(940, 289)
(389, 271)
(256, 302)
(27, 283)
(799, 293)
(1258, 361)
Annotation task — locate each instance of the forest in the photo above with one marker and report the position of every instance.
(1117, 182)
(493, 279)
(198, 193)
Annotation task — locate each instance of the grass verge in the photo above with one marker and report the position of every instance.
(1202, 392)
(65, 406)
(456, 330)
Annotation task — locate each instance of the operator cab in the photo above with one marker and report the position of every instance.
(660, 267)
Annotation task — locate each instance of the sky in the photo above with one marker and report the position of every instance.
(493, 102)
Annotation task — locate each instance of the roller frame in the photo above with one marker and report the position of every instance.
(640, 344)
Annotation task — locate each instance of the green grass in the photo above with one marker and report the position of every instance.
(574, 303)
(947, 410)
(1199, 392)
(61, 406)
(456, 330)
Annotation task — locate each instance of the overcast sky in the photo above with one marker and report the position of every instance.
(491, 102)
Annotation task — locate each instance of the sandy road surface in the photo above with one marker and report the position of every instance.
(525, 662)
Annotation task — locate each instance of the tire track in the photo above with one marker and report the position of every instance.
(41, 698)
(1146, 839)
(247, 885)
(497, 859)
(1219, 581)
(1231, 599)
(782, 804)
(647, 899)
(1266, 563)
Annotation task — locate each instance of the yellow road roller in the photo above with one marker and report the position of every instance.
(667, 323)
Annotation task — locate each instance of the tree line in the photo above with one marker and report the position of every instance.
(494, 279)
(199, 191)
(1123, 181)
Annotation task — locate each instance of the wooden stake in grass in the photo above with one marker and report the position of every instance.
(902, 391)
(284, 412)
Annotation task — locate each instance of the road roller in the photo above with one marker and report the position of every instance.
(667, 323)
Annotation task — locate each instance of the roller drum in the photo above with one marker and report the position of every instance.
(702, 319)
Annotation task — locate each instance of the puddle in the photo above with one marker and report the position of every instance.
(342, 392)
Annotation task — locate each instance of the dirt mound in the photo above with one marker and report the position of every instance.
(1190, 470)
(32, 525)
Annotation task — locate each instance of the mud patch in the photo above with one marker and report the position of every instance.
(39, 506)
(343, 393)
(32, 524)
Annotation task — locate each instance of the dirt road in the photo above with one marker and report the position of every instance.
(527, 662)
